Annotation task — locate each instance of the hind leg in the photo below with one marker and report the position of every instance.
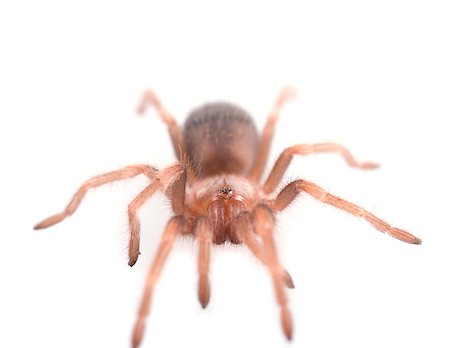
(285, 95)
(149, 98)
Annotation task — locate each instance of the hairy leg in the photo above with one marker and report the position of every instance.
(173, 229)
(203, 233)
(247, 235)
(263, 221)
(286, 156)
(171, 180)
(286, 94)
(149, 98)
(178, 192)
(125, 173)
(288, 194)
(133, 221)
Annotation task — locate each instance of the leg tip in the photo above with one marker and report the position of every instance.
(288, 281)
(50, 221)
(204, 303)
(288, 93)
(286, 322)
(133, 259)
(369, 165)
(141, 109)
(133, 252)
(138, 332)
(37, 227)
(204, 292)
(43, 224)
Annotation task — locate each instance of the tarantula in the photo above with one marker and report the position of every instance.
(216, 194)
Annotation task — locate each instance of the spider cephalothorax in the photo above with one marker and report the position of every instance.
(216, 194)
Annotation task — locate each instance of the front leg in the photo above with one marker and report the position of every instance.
(125, 173)
(288, 194)
(263, 222)
(133, 221)
(171, 180)
(286, 156)
(204, 234)
(247, 234)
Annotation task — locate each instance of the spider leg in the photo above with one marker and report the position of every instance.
(173, 229)
(203, 233)
(247, 235)
(125, 173)
(285, 95)
(286, 156)
(133, 221)
(172, 180)
(178, 192)
(149, 98)
(288, 194)
(263, 222)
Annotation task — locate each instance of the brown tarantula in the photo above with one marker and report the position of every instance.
(216, 194)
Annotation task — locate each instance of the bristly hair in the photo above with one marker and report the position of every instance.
(192, 167)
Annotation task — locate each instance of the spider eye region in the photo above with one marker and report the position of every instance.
(227, 191)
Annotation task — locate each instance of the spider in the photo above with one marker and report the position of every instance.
(216, 194)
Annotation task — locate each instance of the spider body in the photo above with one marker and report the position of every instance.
(216, 194)
(221, 141)
(220, 138)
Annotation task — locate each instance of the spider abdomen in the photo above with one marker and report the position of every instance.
(220, 138)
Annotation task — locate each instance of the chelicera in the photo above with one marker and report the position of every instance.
(217, 195)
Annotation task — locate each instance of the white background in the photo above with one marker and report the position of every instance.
(373, 75)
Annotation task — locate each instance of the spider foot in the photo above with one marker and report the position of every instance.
(204, 291)
(286, 322)
(138, 332)
(50, 221)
